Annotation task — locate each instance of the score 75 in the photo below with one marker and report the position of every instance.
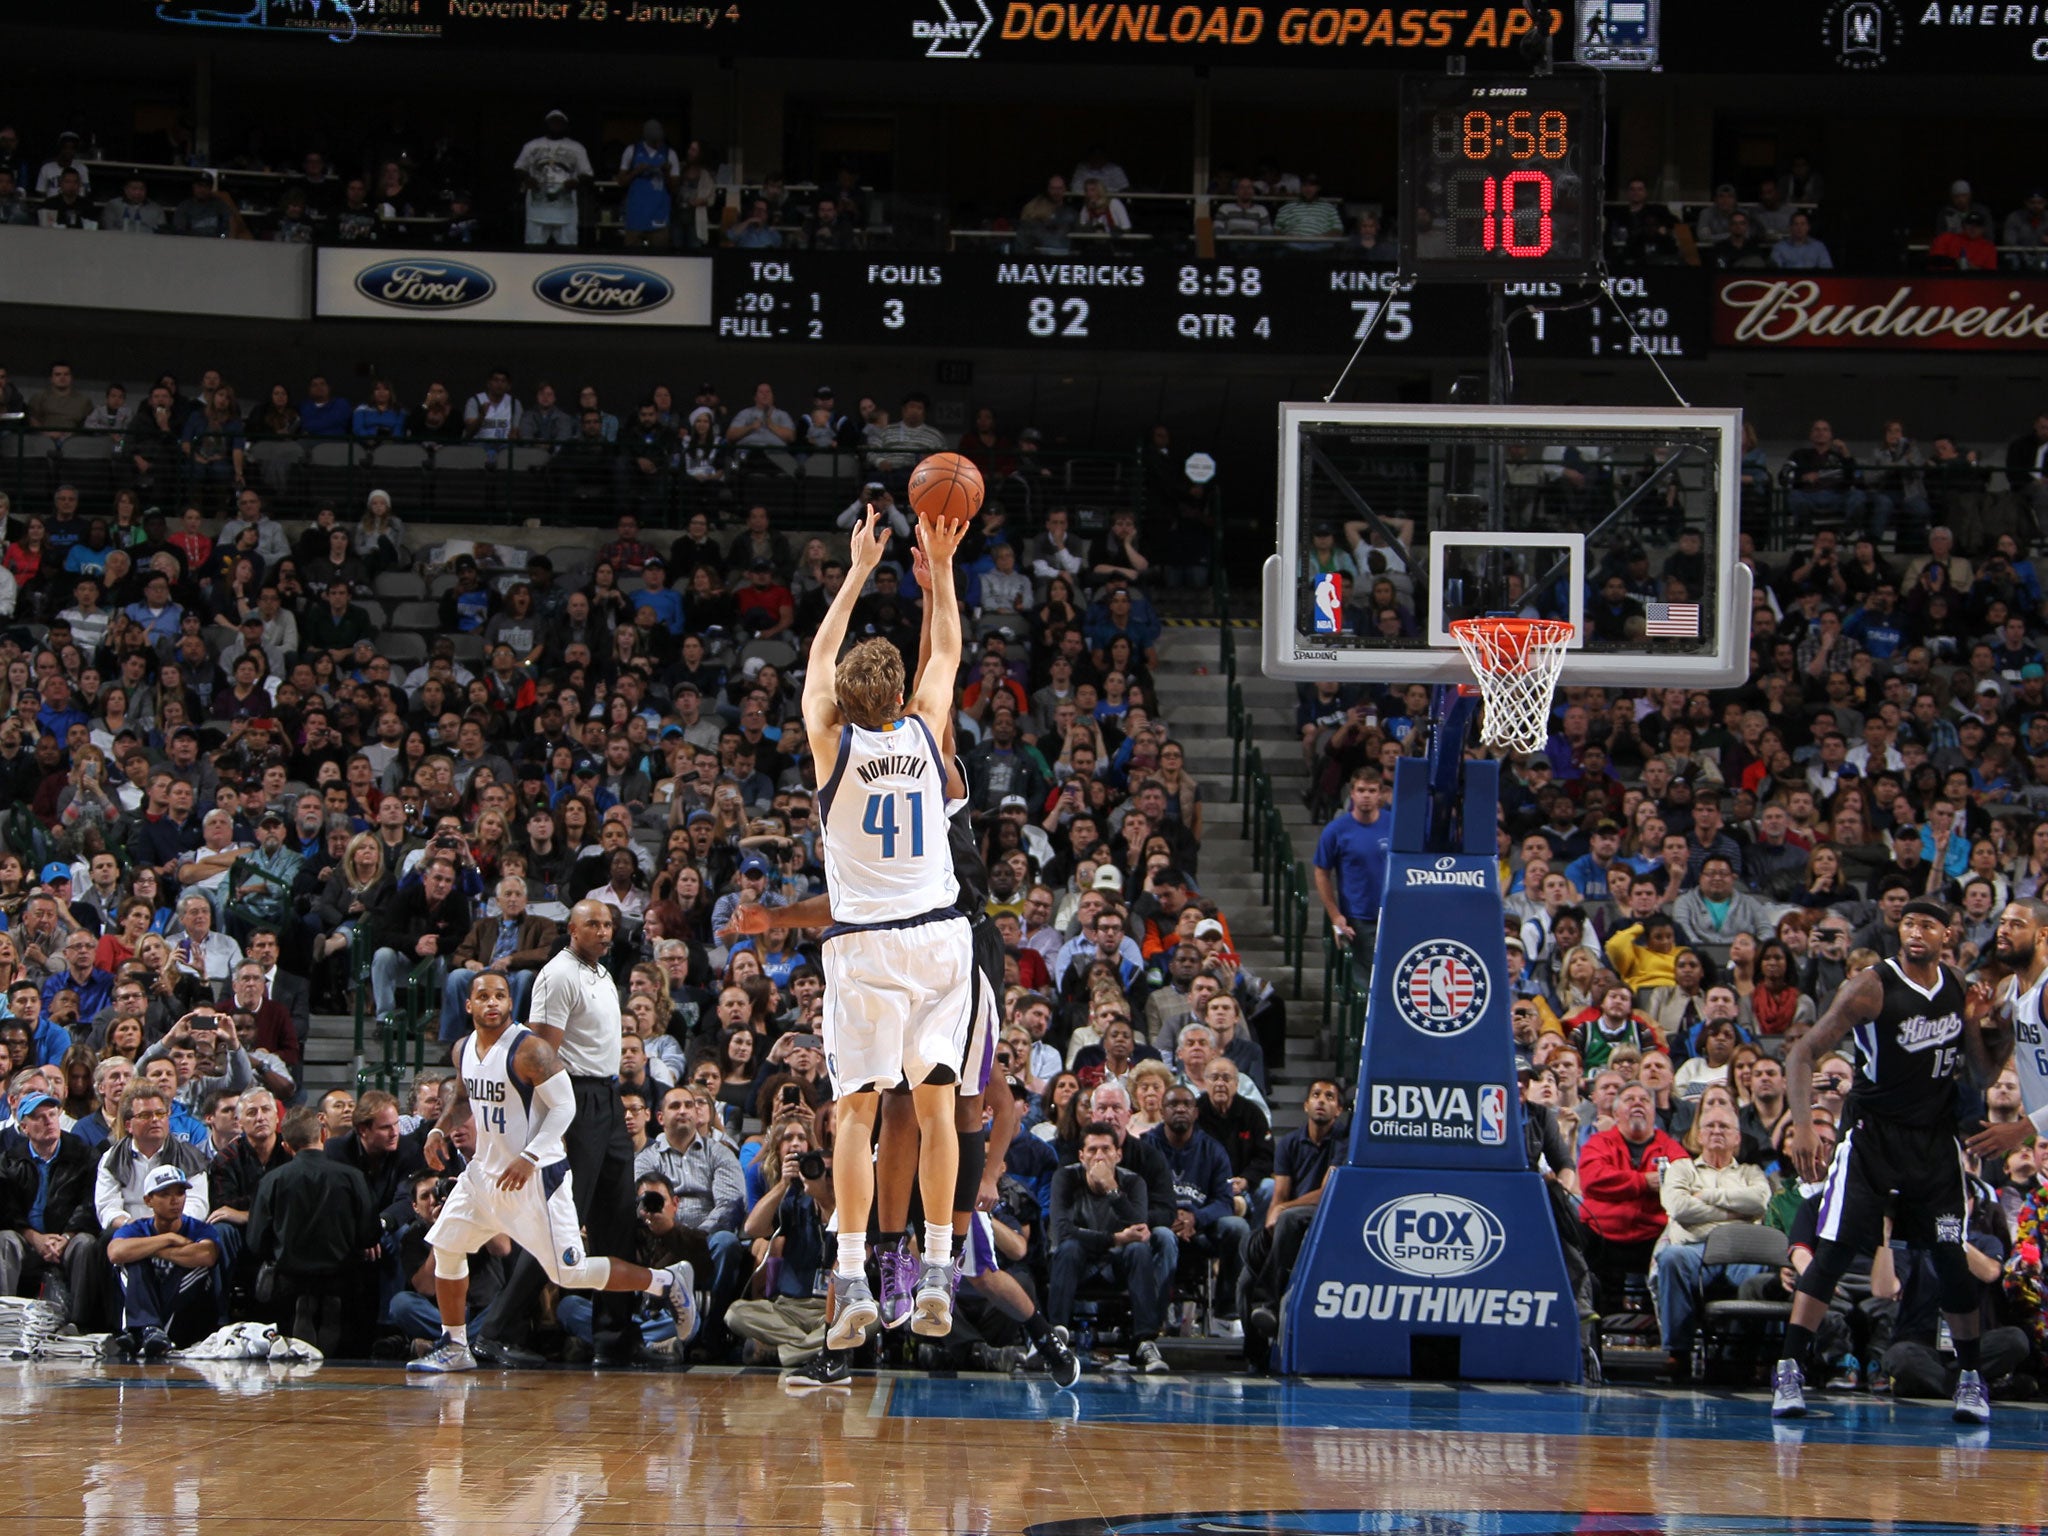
(1400, 318)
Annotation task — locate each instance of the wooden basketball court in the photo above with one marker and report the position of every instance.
(249, 1450)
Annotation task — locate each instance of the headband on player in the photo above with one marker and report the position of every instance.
(1925, 908)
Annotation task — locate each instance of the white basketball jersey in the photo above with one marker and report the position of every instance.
(2030, 1054)
(886, 857)
(501, 1103)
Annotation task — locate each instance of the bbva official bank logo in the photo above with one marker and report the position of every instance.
(604, 288)
(1434, 1236)
(413, 283)
(1440, 987)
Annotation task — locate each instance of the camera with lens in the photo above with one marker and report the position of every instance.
(443, 1188)
(811, 1166)
(651, 1201)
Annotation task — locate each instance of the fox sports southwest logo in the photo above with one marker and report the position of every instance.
(603, 288)
(433, 284)
(1440, 987)
(1434, 1236)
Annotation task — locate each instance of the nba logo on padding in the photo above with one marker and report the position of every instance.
(1329, 604)
(1440, 987)
(1493, 1115)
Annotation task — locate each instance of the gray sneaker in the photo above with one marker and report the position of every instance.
(1146, 1357)
(932, 1306)
(445, 1360)
(854, 1315)
(1788, 1391)
(681, 1297)
(1972, 1401)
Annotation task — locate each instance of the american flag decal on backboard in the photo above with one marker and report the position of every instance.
(1678, 620)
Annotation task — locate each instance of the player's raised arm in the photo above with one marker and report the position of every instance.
(1857, 1001)
(921, 572)
(821, 700)
(933, 700)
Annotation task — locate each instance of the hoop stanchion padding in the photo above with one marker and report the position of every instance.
(1517, 662)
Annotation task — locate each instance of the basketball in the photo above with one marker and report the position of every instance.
(946, 488)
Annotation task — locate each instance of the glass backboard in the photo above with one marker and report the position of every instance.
(1396, 520)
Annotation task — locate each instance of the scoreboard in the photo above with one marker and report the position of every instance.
(1293, 305)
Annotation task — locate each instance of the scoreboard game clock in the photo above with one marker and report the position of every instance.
(1501, 177)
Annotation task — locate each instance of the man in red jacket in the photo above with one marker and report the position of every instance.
(1621, 1175)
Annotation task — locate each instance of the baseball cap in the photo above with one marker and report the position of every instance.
(1524, 1067)
(696, 816)
(1107, 878)
(760, 564)
(1516, 944)
(1958, 186)
(54, 871)
(1906, 831)
(1726, 189)
(555, 112)
(30, 1103)
(166, 1177)
(1013, 803)
(268, 817)
(670, 732)
(585, 765)
(1989, 686)
(1208, 928)
(754, 864)
(687, 687)
(2033, 669)
(654, 560)
(824, 392)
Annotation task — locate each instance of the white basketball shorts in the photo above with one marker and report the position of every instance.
(898, 1002)
(541, 1218)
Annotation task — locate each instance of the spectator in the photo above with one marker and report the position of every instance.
(1967, 249)
(46, 1215)
(312, 1221)
(423, 926)
(1314, 224)
(1206, 1217)
(553, 169)
(164, 1263)
(1799, 250)
(1351, 870)
(1045, 226)
(710, 1195)
(1621, 1179)
(650, 173)
(1099, 1225)
(1698, 1194)
(134, 212)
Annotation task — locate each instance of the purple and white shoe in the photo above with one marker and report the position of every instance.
(898, 1268)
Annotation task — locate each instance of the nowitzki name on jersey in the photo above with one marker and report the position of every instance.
(906, 764)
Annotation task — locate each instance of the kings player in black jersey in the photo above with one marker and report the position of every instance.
(1897, 1152)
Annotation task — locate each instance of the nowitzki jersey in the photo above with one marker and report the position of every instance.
(2030, 1054)
(1908, 1056)
(886, 853)
(500, 1101)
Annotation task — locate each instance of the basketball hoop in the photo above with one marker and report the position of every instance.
(1517, 662)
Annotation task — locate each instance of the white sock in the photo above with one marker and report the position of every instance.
(459, 1334)
(853, 1256)
(658, 1282)
(938, 1242)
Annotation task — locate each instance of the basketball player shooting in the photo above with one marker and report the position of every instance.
(1897, 1149)
(519, 1184)
(899, 961)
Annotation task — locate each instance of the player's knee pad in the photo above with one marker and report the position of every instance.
(592, 1272)
(1957, 1285)
(1830, 1263)
(973, 1159)
(450, 1264)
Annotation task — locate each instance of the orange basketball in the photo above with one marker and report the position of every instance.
(946, 488)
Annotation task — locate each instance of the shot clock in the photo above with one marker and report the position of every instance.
(1501, 177)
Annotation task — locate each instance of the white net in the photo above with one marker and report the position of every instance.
(1516, 662)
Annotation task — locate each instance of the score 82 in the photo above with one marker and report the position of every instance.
(1057, 317)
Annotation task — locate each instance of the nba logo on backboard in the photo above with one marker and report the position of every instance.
(1329, 604)
(1440, 987)
(1493, 1115)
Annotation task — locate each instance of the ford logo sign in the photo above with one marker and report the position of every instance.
(1434, 1236)
(425, 283)
(603, 288)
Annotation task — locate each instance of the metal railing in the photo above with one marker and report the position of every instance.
(511, 482)
(390, 1047)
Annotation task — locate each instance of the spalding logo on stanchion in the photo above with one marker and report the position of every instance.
(1441, 986)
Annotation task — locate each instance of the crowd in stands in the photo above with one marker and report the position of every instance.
(1690, 876)
(230, 810)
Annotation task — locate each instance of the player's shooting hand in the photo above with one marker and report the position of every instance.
(515, 1177)
(435, 1149)
(865, 550)
(1997, 1140)
(940, 540)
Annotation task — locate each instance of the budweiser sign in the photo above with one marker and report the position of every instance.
(1991, 313)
